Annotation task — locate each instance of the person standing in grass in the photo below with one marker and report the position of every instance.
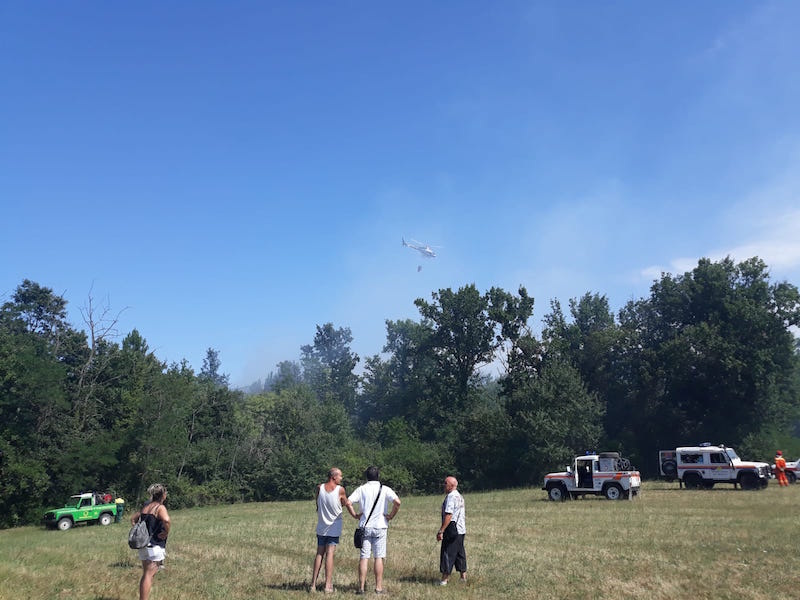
(451, 533)
(158, 524)
(780, 469)
(376, 524)
(120, 502)
(330, 498)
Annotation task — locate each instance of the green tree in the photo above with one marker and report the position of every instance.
(553, 418)
(33, 408)
(521, 352)
(484, 449)
(288, 375)
(587, 341)
(712, 357)
(210, 373)
(139, 407)
(328, 366)
(402, 386)
(462, 339)
(34, 401)
(408, 464)
(210, 435)
(301, 438)
(39, 310)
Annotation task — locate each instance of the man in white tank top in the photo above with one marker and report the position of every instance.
(330, 498)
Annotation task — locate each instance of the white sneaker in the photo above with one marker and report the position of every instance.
(444, 582)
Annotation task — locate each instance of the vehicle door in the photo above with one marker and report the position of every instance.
(583, 474)
(720, 467)
(85, 509)
(597, 477)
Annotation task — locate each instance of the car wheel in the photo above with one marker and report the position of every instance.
(64, 523)
(692, 481)
(557, 493)
(748, 481)
(707, 485)
(669, 468)
(105, 519)
(613, 491)
(791, 478)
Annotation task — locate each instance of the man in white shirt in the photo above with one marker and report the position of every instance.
(451, 533)
(374, 494)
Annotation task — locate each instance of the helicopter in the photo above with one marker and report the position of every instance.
(423, 249)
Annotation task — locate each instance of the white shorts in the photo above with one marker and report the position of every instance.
(154, 553)
(374, 542)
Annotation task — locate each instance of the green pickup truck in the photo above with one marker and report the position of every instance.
(82, 508)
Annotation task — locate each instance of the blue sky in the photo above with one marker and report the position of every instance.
(230, 175)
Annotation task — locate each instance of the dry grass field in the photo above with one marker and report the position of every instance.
(665, 544)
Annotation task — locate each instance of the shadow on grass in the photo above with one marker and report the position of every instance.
(715, 490)
(106, 598)
(419, 581)
(301, 587)
(121, 564)
(423, 576)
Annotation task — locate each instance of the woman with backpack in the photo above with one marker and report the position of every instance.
(155, 514)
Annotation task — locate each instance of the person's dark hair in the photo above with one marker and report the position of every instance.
(372, 473)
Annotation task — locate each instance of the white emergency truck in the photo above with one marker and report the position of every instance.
(603, 474)
(703, 466)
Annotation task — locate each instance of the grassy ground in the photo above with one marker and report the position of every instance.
(667, 543)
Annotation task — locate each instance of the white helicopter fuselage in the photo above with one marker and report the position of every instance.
(426, 251)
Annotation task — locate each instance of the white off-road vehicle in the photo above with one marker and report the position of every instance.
(703, 466)
(603, 474)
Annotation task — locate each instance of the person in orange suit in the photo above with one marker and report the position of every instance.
(780, 468)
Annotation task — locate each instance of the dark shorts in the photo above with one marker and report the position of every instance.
(327, 540)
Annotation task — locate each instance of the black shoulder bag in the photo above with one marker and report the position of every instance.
(358, 534)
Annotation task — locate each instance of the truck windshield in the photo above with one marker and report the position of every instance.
(731, 453)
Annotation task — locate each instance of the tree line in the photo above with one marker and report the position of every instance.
(709, 355)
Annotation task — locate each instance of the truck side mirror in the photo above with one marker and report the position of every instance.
(569, 469)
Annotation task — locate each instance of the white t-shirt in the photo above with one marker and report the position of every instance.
(364, 496)
(329, 512)
(454, 505)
